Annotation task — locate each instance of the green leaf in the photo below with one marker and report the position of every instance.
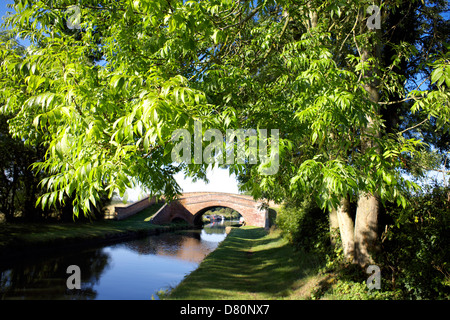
(117, 82)
(437, 74)
(217, 36)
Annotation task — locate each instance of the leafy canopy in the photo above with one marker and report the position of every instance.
(107, 94)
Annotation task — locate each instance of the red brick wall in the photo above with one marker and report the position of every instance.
(125, 212)
(190, 205)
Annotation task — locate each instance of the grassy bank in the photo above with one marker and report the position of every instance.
(18, 238)
(251, 263)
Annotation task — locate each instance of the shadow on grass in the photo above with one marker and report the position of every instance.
(249, 264)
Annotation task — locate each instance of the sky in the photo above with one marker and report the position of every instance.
(219, 181)
(3, 8)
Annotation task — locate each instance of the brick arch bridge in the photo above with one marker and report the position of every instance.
(190, 206)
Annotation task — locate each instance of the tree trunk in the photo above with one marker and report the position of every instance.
(313, 17)
(366, 220)
(334, 226)
(342, 222)
(15, 182)
(346, 229)
(366, 225)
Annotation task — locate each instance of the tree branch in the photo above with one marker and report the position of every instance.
(241, 22)
(419, 124)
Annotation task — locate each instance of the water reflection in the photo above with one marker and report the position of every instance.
(45, 278)
(134, 269)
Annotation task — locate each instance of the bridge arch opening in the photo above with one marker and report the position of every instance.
(191, 207)
(218, 210)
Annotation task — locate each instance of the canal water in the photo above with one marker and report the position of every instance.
(136, 269)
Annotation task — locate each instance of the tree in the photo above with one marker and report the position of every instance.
(103, 126)
(18, 183)
(334, 74)
(313, 69)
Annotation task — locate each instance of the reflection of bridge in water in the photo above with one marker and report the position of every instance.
(191, 206)
(191, 246)
(127, 270)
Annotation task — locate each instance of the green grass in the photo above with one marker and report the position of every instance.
(250, 263)
(23, 235)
